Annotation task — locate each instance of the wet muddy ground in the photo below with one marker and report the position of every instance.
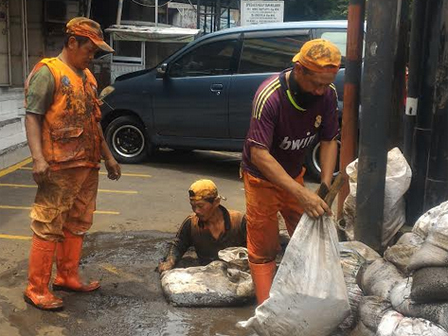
(130, 301)
(141, 212)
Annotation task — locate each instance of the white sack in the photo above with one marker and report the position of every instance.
(213, 285)
(434, 312)
(395, 324)
(379, 278)
(398, 179)
(308, 295)
(369, 254)
(429, 219)
(236, 257)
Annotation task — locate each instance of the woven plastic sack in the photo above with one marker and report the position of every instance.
(308, 296)
(398, 179)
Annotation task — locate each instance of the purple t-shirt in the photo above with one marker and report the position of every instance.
(286, 129)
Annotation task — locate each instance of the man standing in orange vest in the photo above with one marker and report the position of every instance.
(66, 144)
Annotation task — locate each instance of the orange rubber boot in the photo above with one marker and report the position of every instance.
(39, 274)
(262, 276)
(68, 254)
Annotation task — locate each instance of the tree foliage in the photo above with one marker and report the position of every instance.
(299, 10)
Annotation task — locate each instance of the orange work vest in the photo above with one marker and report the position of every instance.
(70, 133)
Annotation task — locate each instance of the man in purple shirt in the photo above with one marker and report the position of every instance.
(289, 111)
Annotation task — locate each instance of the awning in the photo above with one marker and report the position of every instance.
(152, 34)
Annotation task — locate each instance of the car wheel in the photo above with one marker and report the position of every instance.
(312, 161)
(126, 139)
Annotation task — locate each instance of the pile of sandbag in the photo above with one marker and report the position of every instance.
(407, 290)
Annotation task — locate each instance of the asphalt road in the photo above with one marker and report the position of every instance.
(135, 217)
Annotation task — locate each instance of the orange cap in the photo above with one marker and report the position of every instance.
(319, 55)
(82, 26)
(203, 189)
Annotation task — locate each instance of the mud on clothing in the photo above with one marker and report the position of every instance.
(194, 233)
(70, 132)
(71, 142)
(285, 128)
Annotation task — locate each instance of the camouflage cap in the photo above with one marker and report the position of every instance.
(319, 55)
(82, 26)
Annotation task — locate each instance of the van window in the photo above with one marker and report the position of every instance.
(206, 60)
(269, 54)
(339, 38)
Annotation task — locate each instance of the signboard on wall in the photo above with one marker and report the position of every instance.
(261, 11)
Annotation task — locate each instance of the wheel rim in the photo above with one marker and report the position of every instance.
(315, 158)
(128, 141)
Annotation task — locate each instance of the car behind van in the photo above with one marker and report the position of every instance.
(200, 97)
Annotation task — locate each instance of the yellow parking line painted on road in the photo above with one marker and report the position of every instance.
(11, 185)
(13, 168)
(4, 236)
(13, 207)
(110, 268)
(104, 173)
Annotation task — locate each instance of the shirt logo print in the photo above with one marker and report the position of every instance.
(297, 144)
(318, 121)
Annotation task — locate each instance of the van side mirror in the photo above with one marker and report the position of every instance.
(161, 70)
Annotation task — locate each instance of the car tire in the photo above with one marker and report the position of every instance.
(312, 161)
(126, 138)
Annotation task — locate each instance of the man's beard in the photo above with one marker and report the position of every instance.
(302, 98)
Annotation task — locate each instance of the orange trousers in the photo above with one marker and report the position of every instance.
(66, 200)
(263, 201)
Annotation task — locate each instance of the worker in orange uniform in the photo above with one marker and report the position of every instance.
(290, 111)
(66, 144)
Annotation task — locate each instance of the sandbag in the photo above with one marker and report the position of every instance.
(429, 219)
(428, 255)
(308, 296)
(400, 256)
(401, 301)
(351, 262)
(398, 179)
(236, 257)
(395, 324)
(379, 279)
(362, 330)
(430, 284)
(213, 285)
(369, 254)
(410, 238)
(389, 323)
(372, 309)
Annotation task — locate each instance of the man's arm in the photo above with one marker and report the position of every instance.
(313, 205)
(328, 158)
(178, 247)
(33, 125)
(112, 166)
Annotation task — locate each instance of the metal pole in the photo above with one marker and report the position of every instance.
(89, 6)
(395, 138)
(25, 41)
(376, 110)
(423, 127)
(198, 14)
(352, 86)
(436, 189)
(415, 74)
(156, 12)
(119, 11)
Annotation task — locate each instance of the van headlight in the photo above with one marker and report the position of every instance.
(106, 91)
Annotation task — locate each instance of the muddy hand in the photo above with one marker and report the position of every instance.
(165, 266)
(41, 171)
(113, 169)
(313, 205)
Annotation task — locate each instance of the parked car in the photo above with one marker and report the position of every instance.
(200, 97)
